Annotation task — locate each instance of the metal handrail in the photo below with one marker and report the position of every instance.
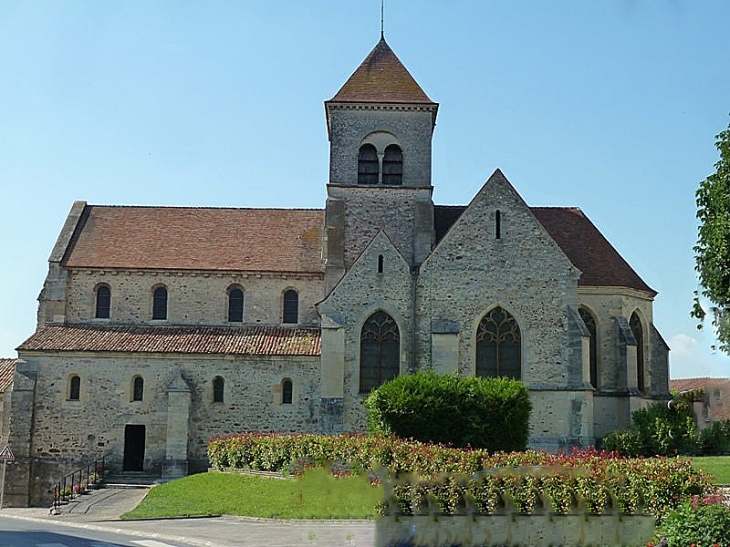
(77, 483)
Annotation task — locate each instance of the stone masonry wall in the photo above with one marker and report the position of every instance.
(360, 293)
(66, 431)
(194, 298)
(412, 129)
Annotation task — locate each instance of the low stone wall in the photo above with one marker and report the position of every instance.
(513, 529)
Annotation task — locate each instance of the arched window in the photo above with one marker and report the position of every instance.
(74, 388)
(235, 305)
(291, 307)
(103, 302)
(590, 323)
(638, 332)
(393, 165)
(367, 165)
(218, 387)
(379, 351)
(286, 392)
(159, 303)
(498, 345)
(137, 388)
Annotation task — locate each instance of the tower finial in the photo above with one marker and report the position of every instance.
(382, 3)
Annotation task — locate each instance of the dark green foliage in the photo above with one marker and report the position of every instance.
(715, 439)
(702, 525)
(491, 413)
(712, 252)
(658, 430)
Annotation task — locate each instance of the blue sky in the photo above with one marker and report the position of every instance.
(611, 106)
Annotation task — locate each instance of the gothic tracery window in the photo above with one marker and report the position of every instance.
(638, 332)
(498, 345)
(590, 323)
(379, 351)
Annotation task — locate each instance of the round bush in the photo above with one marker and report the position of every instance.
(698, 524)
(491, 413)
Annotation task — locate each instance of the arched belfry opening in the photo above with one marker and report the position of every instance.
(499, 345)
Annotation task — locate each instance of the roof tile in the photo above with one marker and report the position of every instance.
(192, 238)
(381, 78)
(261, 341)
(7, 369)
(579, 239)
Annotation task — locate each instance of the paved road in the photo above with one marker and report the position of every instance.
(100, 512)
(26, 533)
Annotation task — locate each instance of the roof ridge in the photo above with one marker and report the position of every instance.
(207, 208)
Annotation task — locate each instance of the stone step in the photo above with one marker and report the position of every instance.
(130, 480)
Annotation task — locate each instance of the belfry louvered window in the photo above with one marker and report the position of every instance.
(367, 165)
(393, 165)
(103, 302)
(498, 345)
(159, 303)
(593, 350)
(379, 351)
(638, 332)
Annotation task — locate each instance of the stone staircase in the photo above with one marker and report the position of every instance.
(131, 479)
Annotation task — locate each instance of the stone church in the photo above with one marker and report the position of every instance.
(159, 327)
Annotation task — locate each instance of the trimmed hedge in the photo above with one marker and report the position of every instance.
(657, 484)
(491, 413)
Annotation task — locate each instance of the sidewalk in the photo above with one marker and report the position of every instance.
(101, 510)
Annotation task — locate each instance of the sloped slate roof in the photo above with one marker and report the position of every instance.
(259, 341)
(381, 78)
(193, 238)
(579, 239)
(7, 369)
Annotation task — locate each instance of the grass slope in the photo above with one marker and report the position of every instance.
(715, 465)
(317, 495)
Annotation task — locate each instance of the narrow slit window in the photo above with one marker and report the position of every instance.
(235, 306)
(380, 263)
(286, 392)
(291, 307)
(138, 389)
(103, 302)
(74, 388)
(218, 386)
(159, 303)
(498, 224)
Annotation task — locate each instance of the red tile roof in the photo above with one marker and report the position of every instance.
(193, 238)
(261, 341)
(7, 369)
(719, 409)
(381, 78)
(579, 239)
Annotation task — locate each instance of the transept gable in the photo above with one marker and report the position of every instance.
(498, 225)
(379, 274)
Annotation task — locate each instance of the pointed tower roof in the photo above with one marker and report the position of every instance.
(381, 78)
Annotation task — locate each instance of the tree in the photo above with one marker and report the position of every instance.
(712, 252)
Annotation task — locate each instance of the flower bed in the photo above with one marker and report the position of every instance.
(588, 480)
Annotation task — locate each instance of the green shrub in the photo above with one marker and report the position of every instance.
(697, 524)
(656, 485)
(715, 439)
(659, 430)
(491, 413)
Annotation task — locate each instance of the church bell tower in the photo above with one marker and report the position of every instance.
(380, 126)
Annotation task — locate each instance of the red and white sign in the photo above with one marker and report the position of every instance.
(7, 454)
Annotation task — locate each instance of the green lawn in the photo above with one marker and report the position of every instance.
(715, 465)
(315, 496)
